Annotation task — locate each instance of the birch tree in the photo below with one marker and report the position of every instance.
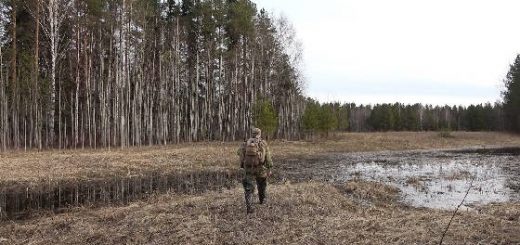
(55, 13)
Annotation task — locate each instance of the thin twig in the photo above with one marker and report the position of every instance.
(457, 209)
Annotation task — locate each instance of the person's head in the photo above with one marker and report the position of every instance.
(256, 132)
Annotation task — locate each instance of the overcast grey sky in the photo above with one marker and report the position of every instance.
(374, 51)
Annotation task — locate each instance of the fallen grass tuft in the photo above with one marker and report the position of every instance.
(374, 192)
(446, 133)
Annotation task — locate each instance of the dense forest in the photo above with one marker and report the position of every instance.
(122, 73)
(131, 72)
(323, 118)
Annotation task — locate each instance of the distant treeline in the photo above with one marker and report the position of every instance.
(503, 116)
(400, 117)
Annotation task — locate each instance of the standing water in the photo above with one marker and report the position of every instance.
(441, 179)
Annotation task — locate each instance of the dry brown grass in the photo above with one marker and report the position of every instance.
(309, 213)
(459, 175)
(373, 192)
(417, 183)
(88, 164)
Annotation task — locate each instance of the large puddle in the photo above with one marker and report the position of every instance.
(440, 179)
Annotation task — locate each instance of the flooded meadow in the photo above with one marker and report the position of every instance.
(426, 178)
(440, 179)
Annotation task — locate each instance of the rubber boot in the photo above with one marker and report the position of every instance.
(249, 202)
(249, 190)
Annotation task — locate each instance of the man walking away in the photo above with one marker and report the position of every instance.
(255, 159)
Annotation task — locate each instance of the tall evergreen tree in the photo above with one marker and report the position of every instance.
(342, 117)
(327, 119)
(265, 117)
(310, 118)
(512, 96)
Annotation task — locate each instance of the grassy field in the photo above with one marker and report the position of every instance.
(307, 213)
(358, 212)
(90, 164)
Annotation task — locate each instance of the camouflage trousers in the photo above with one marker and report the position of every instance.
(260, 176)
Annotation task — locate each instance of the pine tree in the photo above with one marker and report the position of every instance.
(265, 117)
(310, 118)
(327, 119)
(512, 96)
(343, 118)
